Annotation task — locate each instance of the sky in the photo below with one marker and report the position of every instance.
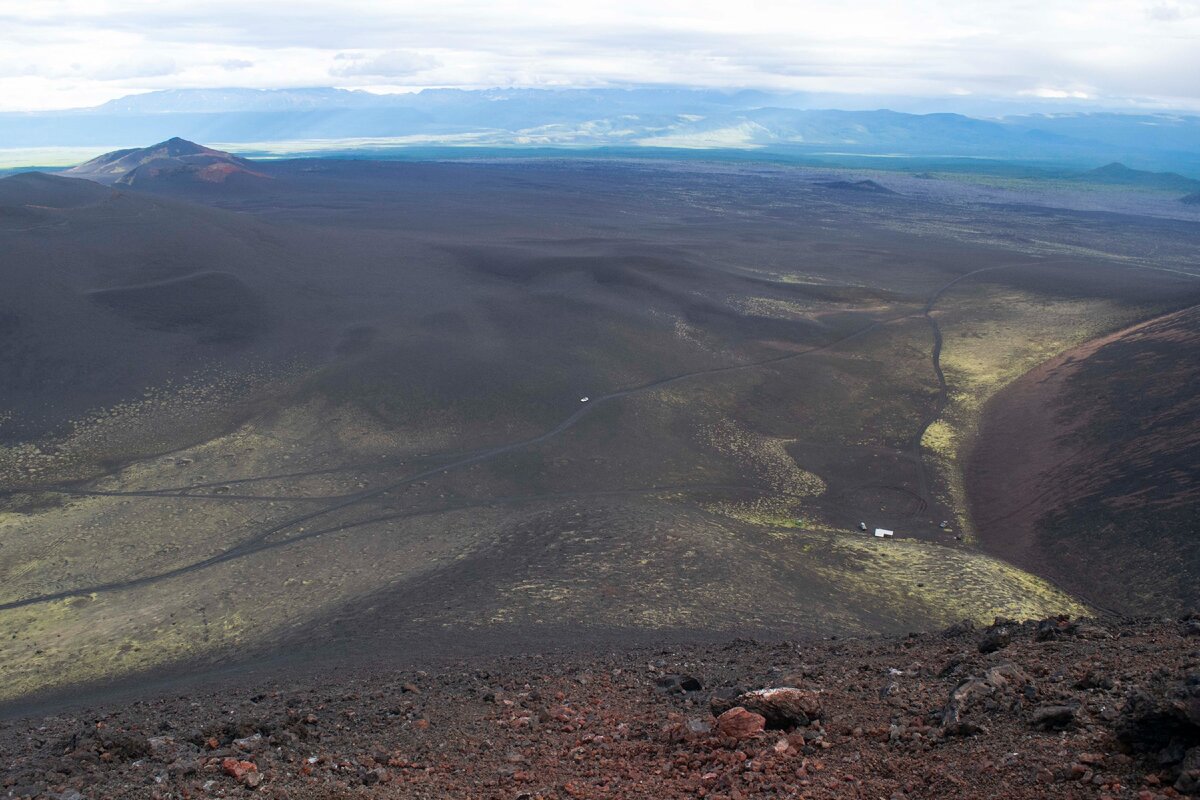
(79, 53)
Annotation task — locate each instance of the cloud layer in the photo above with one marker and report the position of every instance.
(71, 53)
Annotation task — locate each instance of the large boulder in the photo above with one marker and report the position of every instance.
(1163, 720)
(783, 707)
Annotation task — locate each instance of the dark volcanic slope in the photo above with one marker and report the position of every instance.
(109, 294)
(1088, 468)
(29, 191)
(216, 305)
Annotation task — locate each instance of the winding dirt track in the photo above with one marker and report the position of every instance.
(254, 543)
(260, 540)
(943, 395)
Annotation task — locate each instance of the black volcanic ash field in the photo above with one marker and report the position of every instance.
(340, 405)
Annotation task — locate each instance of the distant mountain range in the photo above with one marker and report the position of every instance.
(636, 118)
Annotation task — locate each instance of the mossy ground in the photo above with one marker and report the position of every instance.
(992, 336)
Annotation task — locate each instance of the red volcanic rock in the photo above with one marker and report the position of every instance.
(784, 707)
(244, 772)
(619, 735)
(738, 723)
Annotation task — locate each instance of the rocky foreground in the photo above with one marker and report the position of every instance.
(1056, 708)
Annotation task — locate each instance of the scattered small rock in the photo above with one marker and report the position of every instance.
(679, 684)
(1055, 628)
(1054, 718)
(995, 638)
(1000, 685)
(1188, 781)
(244, 772)
(1094, 680)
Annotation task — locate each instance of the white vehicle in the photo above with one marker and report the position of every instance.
(583, 399)
(883, 533)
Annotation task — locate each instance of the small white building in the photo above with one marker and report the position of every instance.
(883, 533)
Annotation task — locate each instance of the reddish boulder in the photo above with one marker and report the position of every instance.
(785, 707)
(738, 723)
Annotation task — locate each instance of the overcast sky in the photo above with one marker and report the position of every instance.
(73, 53)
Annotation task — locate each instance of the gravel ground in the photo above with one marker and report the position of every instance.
(1058, 708)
